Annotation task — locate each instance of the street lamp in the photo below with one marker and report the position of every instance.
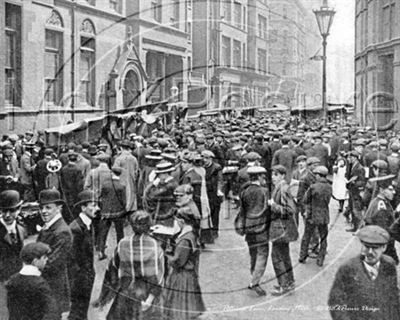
(324, 17)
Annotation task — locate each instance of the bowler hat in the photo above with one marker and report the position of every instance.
(50, 196)
(373, 235)
(86, 196)
(10, 199)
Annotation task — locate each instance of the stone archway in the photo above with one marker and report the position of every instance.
(132, 87)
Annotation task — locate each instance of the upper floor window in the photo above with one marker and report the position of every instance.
(12, 67)
(115, 5)
(238, 15)
(237, 56)
(156, 7)
(262, 27)
(87, 73)
(175, 11)
(226, 52)
(227, 10)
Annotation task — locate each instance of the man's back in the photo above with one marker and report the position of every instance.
(30, 297)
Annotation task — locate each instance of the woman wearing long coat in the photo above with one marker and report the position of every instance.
(181, 298)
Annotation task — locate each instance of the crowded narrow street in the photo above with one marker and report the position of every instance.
(225, 274)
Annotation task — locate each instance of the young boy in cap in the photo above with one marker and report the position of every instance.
(365, 287)
(29, 295)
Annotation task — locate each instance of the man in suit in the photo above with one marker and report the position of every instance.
(11, 240)
(319, 150)
(27, 167)
(129, 163)
(365, 287)
(41, 171)
(29, 295)
(71, 184)
(254, 208)
(285, 157)
(81, 265)
(58, 236)
(9, 171)
(316, 203)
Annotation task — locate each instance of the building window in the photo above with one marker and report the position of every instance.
(244, 56)
(389, 21)
(175, 12)
(13, 55)
(226, 52)
(237, 14)
(189, 30)
(262, 60)
(262, 27)
(237, 56)
(53, 66)
(156, 7)
(244, 20)
(115, 5)
(87, 71)
(227, 10)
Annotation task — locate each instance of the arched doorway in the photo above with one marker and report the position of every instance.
(131, 89)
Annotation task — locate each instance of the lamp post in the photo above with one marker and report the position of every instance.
(324, 17)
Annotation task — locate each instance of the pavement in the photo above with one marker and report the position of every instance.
(225, 275)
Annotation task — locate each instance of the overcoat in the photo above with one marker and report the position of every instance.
(59, 238)
(354, 290)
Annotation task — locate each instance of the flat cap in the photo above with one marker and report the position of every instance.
(301, 158)
(313, 160)
(252, 156)
(374, 235)
(322, 170)
(256, 170)
(208, 154)
(395, 147)
(279, 169)
(380, 164)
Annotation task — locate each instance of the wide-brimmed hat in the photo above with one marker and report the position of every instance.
(86, 196)
(164, 167)
(10, 199)
(50, 196)
(154, 154)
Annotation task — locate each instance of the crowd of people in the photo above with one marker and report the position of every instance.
(169, 187)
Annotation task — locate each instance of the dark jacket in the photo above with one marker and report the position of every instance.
(257, 216)
(213, 181)
(283, 226)
(59, 238)
(71, 183)
(354, 289)
(380, 213)
(287, 158)
(113, 198)
(30, 297)
(316, 201)
(10, 262)
(321, 152)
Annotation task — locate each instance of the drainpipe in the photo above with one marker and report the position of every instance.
(73, 37)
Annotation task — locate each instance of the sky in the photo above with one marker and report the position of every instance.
(340, 52)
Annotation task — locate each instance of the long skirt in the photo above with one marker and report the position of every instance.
(182, 299)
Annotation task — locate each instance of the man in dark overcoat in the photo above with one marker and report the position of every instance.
(214, 186)
(58, 236)
(11, 241)
(316, 203)
(254, 209)
(356, 183)
(81, 266)
(365, 287)
(285, 157)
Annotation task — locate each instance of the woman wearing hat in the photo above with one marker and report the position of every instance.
(181, 298)
(134, 277)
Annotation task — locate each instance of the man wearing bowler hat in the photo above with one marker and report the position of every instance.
(81, 266)
(365, 287)
(58, 236)
(11, 241)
